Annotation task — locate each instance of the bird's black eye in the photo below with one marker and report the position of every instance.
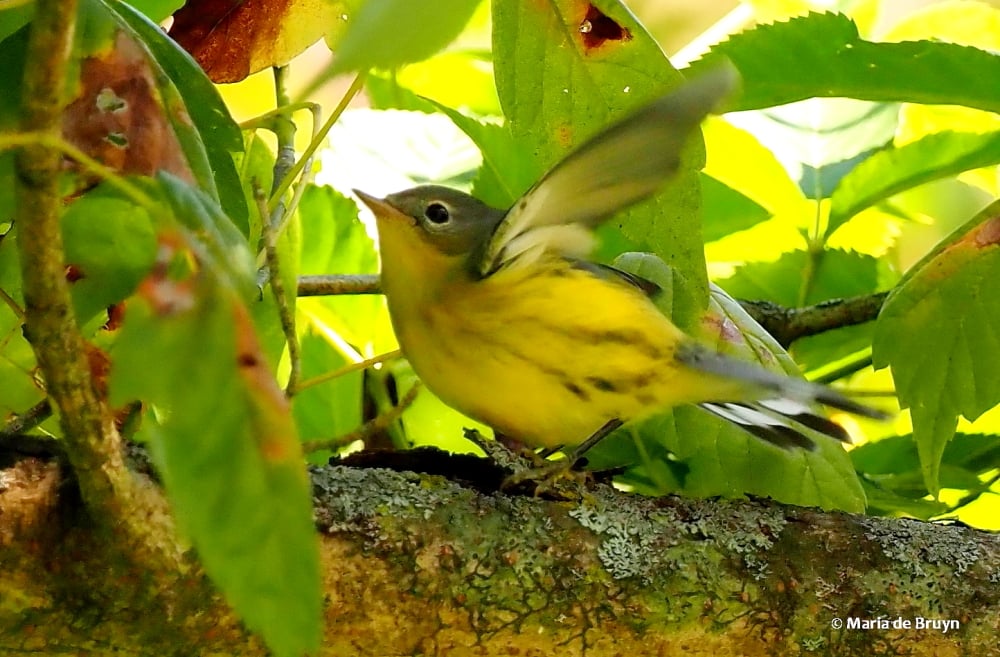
(437, 213)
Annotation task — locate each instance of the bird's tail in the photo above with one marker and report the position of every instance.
(779, 408)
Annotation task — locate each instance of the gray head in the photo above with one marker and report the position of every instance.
(452, 221)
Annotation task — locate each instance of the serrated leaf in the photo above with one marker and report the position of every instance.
(894, 170)
(429, 27)
(939, 333)
(822, 55)
(227, 449)
(798, 279)
(599, 63)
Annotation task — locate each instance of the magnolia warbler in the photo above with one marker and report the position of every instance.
(504, 320)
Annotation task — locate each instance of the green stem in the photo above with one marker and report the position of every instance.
(317, 140)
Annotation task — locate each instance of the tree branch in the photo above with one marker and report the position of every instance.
(137, 517)
(319, 286)
(420, 564)
(789, 324)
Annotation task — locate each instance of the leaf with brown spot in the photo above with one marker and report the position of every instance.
(597, 29)
(118, 116)
(232, 39)
(939, 331)
(589, 80)
(228, 451)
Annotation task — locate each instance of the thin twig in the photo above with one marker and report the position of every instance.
(286, 314)
(331, 285)
(87, 163)
(265, 120)
(347, 369)
(28, 420)
(317, 140)
(368, 429)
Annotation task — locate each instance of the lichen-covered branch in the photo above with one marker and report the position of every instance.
(420, 564)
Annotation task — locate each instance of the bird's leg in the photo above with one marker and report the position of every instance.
(548, 476)
(577, 453)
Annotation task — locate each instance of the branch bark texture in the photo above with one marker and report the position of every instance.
(422, 565)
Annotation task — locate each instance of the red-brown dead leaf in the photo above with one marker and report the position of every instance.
(119, 119)
(231, 39)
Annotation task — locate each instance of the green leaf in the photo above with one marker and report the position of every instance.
(891, 469)
(390, 33)
(503, 177)
(796, 279)
(334, 241)
(226, 446)
(19, 391)
(563, 74)
(894, 170)
(157, 10)
(331, 408)
(14, 18)
(723, 459)
(225, 244)
(939, 332)
(726, 210)
(214, 129)
(822, 55)
(110, 246)
(385, 92)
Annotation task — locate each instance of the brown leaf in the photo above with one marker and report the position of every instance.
(118, 117)
(231, 39)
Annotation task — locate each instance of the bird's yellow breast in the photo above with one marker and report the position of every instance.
(547, 353)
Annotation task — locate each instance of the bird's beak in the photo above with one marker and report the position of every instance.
(378, 206)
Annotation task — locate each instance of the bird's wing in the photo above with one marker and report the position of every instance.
(626, 163)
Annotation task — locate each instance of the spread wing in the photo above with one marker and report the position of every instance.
(624, 164)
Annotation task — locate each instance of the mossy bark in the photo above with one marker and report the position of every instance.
(419, 565)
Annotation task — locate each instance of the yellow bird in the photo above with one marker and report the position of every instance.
(504, 319)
